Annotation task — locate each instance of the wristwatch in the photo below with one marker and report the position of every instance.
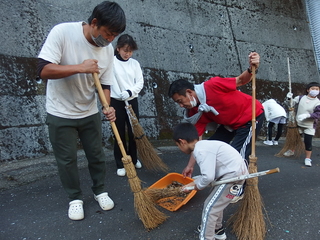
(249, 70)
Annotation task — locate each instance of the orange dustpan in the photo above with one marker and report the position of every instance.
(175, 202)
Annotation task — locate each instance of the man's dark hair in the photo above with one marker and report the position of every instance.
(124, 40)
(185, 131)
(312, 84)
(111, 15)
(180, 86)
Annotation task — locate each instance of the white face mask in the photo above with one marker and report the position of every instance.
(313, 93)
(193, 101)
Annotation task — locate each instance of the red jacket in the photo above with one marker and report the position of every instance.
(234, 107)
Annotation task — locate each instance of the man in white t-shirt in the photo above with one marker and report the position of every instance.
(69, 56)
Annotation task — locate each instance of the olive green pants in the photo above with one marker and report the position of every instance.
(64, 134)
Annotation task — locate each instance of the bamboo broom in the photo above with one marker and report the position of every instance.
(147, 153)
(146, 209)
(293, 140)
(248, 221)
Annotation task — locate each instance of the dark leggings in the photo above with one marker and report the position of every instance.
(279, 131)
(123, 124)
(308, 142)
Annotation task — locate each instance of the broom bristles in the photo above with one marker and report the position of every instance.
(293, 141)
(148, 155)
(248, 221)
(158, 193)
(148, 213)
(146, 209)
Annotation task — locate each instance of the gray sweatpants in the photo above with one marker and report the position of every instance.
(212, 213)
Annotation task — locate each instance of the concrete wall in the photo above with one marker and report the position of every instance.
(221, 33)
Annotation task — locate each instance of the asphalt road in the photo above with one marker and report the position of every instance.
(38, 210)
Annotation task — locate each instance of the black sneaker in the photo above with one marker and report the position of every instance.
(220, 234)
(198, 230)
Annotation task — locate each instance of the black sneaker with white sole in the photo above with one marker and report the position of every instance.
(219, 233)
(198, 230)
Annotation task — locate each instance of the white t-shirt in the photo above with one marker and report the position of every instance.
(217, 160)
(128, 76)
(74, 97)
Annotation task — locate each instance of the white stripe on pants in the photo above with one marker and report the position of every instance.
(212, 213)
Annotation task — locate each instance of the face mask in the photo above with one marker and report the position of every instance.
(100, 41)
(313, 93)
(193, 102)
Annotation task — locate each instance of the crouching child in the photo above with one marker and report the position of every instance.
(217, 161)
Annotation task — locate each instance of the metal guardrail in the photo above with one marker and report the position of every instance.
(313, 12)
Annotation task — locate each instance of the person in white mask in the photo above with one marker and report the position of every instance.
(219, 101)
(308, 115)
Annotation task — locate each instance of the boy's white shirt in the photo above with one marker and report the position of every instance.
(217, 160)
(74, 96)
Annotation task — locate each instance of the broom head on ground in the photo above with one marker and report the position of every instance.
(293, 138)
(144, 205)
(146, 209)
(248, 221)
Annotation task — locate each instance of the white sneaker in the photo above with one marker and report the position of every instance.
(121, 172)
(288, 153)
(138, 164)
(75, 211)
(268, 142)
(307, 162)
(104, 201)
(275, 142)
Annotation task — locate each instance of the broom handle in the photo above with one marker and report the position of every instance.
(289, 77)
(105, 104)
(242, 177)
(253, 141)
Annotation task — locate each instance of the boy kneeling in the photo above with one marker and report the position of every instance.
(217, 161)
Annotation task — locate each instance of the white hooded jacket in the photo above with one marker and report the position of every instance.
(273, 110)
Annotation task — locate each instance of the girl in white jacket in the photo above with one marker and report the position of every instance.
(126, 87)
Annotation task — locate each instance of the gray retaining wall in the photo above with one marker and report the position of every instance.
(192, 39)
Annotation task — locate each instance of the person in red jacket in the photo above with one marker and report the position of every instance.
(218, 100)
